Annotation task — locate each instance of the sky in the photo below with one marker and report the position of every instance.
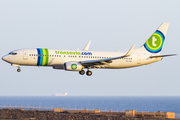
(111, 25)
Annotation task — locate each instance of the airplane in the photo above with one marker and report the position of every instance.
(78, 60)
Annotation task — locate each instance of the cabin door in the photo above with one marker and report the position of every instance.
(25, 55)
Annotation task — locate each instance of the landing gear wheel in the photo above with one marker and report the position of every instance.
(19, 70)
(81, 72)
(88, 73)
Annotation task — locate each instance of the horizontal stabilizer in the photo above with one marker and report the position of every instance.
(162, 56)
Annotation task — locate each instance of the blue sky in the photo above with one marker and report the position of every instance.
(110, 25)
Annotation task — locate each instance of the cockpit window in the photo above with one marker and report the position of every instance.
(11, 53)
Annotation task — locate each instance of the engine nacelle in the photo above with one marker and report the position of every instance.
(72, 66)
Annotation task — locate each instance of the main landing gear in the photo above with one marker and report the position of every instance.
(81, 72)
(88, 73)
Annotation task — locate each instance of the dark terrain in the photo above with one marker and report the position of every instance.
(17, 114)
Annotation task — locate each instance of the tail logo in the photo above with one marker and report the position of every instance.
(155, 42)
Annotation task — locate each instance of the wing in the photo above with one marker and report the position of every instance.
(101, 62)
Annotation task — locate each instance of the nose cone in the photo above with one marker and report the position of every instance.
(5, 58)
(2, 58)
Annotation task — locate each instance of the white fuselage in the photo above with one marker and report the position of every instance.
(57, 58)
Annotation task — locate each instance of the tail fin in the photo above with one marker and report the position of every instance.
(155, 43)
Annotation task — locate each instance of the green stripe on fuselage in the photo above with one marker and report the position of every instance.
(45, 57)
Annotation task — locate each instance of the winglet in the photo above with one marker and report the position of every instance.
(129, 52)
(87, 46)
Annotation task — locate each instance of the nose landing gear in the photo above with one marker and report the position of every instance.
(16, 65)
(18, 70)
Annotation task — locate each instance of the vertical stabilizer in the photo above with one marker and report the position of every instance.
(155, 43)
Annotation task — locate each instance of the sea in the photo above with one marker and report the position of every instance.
(138, 103)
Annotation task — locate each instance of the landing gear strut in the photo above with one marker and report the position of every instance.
(81, 72)
(18, 70)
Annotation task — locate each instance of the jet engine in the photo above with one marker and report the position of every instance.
(73, 66)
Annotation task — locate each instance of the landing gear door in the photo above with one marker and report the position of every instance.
(138, 59)
(25, 55)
